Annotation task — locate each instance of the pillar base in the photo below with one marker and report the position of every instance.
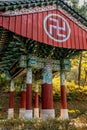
(64, 114)
(10, 113)
(48, 113)
(28, 114)
(22, 113)
(36, 112)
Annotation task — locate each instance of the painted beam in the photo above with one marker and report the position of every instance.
(36, 62)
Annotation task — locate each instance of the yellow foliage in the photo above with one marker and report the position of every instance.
(73, 111)
(85, 88)
(71, 84)
(56, 85)
(56, 81)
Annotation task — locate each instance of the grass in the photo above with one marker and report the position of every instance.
(50, 124)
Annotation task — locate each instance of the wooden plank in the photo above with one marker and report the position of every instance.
(1, 20)
(76, 37)
(72, 37)
(18, 24)
(44, 33)
(35, 25)
(69, 39)
(29, 26)
(81, 38)
(6, 22)
(85, 39)
(40, 27)
(12, 24)
(24, 25)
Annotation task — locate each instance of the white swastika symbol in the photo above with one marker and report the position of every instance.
(62, 30)
(57, 27)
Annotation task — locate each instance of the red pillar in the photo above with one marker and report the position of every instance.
(47, 95)
(36, 107)
(64, 110)
(11, 101)
(28, 112)
(22, 102)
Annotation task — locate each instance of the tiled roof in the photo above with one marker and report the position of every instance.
(19, 4)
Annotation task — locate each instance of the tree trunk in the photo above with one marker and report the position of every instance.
(79, 70)
(85, 78)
